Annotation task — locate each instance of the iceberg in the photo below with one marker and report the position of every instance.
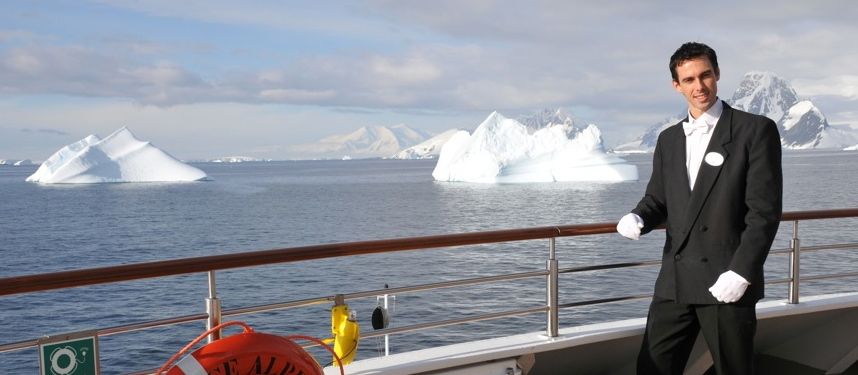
(120, 157)
(502, 150)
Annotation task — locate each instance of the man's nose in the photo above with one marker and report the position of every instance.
(696, 85)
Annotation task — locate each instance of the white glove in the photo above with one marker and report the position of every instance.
(729, 287)
(630, 226)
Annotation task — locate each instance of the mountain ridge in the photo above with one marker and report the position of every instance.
(366, 142)
(801, 124)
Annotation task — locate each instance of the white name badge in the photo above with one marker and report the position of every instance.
(714, 159)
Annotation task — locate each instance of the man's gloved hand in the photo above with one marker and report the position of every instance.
(729, 288)
(630, 226)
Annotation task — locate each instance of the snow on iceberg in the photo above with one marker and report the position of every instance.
(501, 150)
(120, 157)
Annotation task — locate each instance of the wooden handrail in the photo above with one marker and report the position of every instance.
(819, 214)
(101, 275)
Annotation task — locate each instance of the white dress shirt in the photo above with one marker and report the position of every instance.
(698, 132)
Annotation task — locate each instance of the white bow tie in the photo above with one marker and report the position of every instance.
(690, 126)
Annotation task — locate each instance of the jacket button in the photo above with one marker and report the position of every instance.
(677, 257)
(704, 228)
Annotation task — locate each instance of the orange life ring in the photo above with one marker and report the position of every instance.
(248, 352)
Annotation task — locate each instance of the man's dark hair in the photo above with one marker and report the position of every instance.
(690, 51)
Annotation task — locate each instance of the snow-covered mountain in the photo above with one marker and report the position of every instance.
(801, 124)
(547, 118)
(403, 142)
(764, 93)
(428, 149)
(647, 141)
(366, 142)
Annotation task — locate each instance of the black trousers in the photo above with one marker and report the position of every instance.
(672, 328)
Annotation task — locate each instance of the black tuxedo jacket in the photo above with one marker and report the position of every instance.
(730, 219)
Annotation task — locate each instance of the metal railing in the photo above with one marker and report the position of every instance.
(214, 312)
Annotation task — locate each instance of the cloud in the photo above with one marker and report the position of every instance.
(23, 63)
(329, 18)
(524, 68)
(444, 55)
(80, 71)
(45, 131)
(8, 36)
(295, 96)
(845, 86)
(413, 70)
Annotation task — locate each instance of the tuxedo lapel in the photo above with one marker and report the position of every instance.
(680, 177)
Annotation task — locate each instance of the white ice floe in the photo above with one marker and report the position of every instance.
(16, 163)
(120, 157)
(236, 159)
(501, 150)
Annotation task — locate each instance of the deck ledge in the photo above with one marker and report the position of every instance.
(455, 355)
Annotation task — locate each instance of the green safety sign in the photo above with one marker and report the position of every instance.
(73, 354)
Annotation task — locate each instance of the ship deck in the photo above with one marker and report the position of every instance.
(816, 336)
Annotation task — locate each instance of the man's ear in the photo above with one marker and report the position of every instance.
(717, 74)
(675, 84)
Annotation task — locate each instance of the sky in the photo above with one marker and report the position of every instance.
(207, 79)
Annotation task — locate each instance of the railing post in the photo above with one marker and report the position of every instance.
(552, 294)
(213, 309)
(794, 264)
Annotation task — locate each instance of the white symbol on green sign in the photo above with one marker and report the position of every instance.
(64, 360)
(71, 357)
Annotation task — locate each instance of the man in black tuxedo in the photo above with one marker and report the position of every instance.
(717, 187)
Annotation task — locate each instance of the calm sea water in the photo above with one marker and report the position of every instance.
(258, 206)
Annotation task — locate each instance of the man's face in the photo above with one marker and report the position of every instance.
(697, 81)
